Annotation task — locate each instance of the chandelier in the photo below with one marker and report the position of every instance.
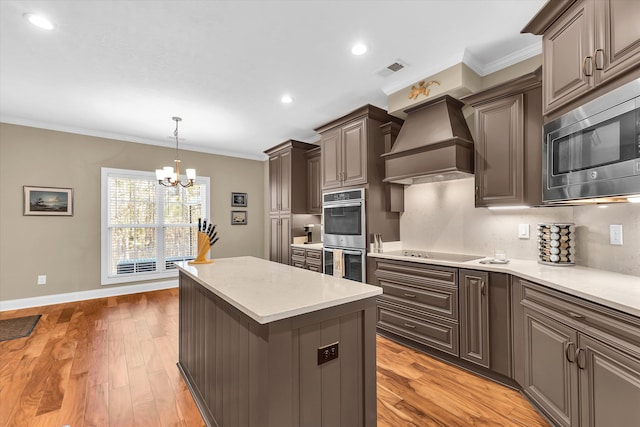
(170, 178)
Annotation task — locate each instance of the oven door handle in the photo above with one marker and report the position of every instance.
(346, 252)
(343, 205)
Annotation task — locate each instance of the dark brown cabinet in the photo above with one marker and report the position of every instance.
(508, 143)
(351, 147)
(280, 232)
(287, 194)
(309, 259)
(419, 303)
(344, 156)
(585, 43)
(314, 182)
(464, 313)
(474, 316)
(580, 361)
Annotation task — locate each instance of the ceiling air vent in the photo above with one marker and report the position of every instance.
(390, 69)
(395, 67)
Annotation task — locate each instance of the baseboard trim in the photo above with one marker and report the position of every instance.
(17, 304)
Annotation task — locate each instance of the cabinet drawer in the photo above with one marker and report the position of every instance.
(611, 326)
(316, 268)
(314, 255)
(439, 300)
(416, 274)
(297, 252)
(424, 329)
(298, 264)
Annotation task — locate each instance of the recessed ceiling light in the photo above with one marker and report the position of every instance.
(359, 49)
(286, 99)
(39, 21)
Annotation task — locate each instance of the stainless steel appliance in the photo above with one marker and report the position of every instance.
(344, 219)
(353, 260)
(313, 233)
(594, 151)
(345, 229)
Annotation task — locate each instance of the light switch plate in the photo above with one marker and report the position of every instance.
(42, 279)
(615, 234)
(523, 231)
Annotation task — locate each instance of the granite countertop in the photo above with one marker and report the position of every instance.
(614, 290)
(316, 246)
(268, 291)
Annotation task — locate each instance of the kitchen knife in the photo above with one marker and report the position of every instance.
(211, 243)
(199, 224)
(213, 229)
(204, 225)
(208, 231)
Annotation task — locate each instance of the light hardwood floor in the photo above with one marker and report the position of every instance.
(112, 362)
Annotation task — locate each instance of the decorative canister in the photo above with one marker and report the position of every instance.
(556, 244)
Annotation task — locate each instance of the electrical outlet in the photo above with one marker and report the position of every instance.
(615, 234)
(523, 231)
(42, 279)
(327, 353)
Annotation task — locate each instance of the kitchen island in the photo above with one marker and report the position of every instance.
(266, 344)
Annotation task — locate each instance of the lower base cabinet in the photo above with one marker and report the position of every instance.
(581, 362)
(463, 313)
(308, 259)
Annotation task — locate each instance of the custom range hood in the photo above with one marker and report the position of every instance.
(434, 144)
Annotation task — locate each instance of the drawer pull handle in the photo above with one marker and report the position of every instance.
(409, 325)
(575, 315)
(584, 66)
(580, 358)
(408, 295)
(595, 59)
(570, 351)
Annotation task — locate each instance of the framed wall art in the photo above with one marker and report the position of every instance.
(238, 217)
(48, 201)
(239, 199)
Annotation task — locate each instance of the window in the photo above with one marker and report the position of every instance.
(147, 227)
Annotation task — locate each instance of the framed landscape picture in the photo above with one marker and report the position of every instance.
(239, 199)
(238, 217)
(49, 201)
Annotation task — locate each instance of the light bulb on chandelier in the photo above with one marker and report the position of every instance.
(170, 178)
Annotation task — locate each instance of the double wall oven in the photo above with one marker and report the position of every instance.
(345, 232)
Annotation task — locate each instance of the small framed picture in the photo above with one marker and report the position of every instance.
(238, 217)
(48, 201)
(239, 199)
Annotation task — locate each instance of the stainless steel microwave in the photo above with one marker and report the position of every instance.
(594, 151)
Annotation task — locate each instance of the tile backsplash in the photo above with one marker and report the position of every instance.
(441, 216)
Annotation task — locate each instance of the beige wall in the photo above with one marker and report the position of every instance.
(67, 249)
(442, 217)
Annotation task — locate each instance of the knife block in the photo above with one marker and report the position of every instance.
(203, 249)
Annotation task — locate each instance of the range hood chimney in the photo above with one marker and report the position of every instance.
(434, 144)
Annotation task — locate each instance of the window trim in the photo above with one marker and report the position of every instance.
(105, 246)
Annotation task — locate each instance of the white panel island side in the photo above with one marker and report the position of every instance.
(249, 338)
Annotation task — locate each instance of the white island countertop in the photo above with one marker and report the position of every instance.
(267, 291)
(614, 290)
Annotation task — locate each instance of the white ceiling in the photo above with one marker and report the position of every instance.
(121, 69)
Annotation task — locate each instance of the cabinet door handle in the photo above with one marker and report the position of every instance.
(584, 66)
(575, 315)
(483, 288)
(570, 351)
(409, 325)
(580, 358)
(408, 295)
(595, 59)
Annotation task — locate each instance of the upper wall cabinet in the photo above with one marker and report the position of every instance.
(585, 44)
(508, 142)
(351, 147)
(288, 177)
(314, 182)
